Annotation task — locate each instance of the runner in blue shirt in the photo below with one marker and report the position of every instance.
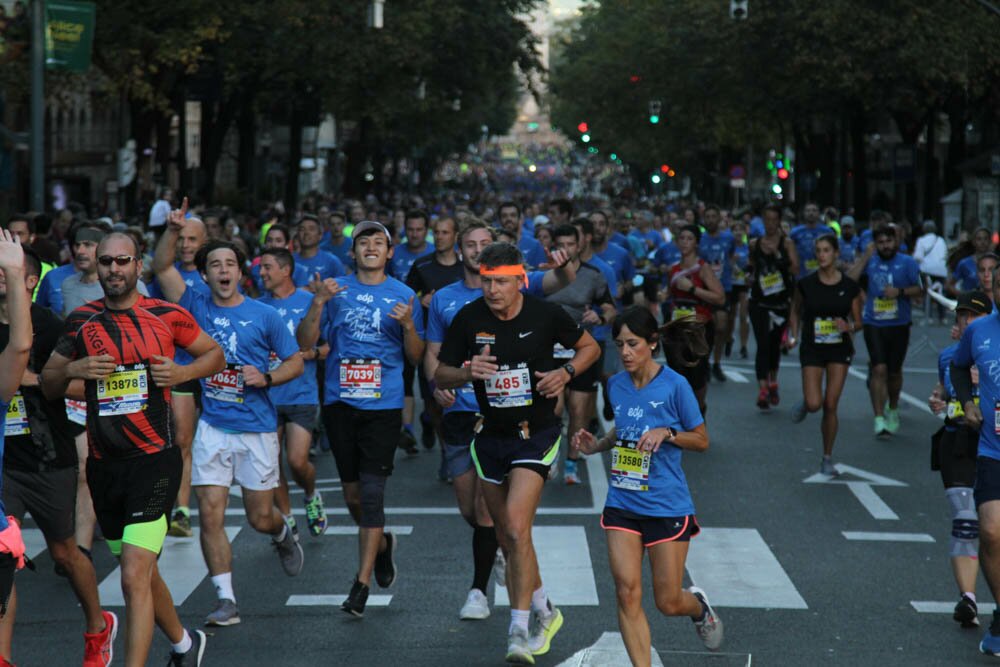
(335, 242)
(964, 277)
(236, 437)
(804, 236)
(512, 222)
(741, 289)
(850, 243)
(49, 294)
(278, 236)
(716, 247)
(416, 246)
(297, 403)
(310, 257)
(649, 506)
(615, 255)
(890, 280)
(370, 321)
(977, 348)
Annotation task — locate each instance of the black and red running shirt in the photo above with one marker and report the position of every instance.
(127, 414)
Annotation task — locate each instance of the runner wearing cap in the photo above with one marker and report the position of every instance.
(371, 321)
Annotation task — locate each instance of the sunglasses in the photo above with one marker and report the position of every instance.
(120, 260)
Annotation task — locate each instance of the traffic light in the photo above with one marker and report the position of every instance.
(776, 188)
(655, 178)
(654, 111)
(585, 138)
(782, 173)
(665, 168)
(582, 127)
(738, 9)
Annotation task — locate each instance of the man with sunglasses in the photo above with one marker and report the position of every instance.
(117, 353)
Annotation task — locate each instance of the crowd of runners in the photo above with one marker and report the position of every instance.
(203, 352)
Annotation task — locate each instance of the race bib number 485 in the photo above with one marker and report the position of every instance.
(509, 388)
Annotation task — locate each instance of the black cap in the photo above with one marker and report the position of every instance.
(975, 301)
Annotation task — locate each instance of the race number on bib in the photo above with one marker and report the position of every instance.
(825, 331)
(226, 385)
(886, 309)
(812, 264)
(273, 361)
(681, 313)
(509, 388)
(360, 378)
(17, 417)
(123, 392)
(629, 467)
(771, 283)
(76, 411)
(560, 352)
(739, 276)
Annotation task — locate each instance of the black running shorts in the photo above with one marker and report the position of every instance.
(887, 346)
(651, 529)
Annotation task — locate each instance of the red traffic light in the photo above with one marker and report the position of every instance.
(635, 78)
(582, 127)
(665, 168)
(782, 174)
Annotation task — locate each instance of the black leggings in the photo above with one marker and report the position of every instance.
(768, 337)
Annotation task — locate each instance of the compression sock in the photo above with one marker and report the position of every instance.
(484, 551)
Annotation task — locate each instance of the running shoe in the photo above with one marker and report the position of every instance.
(518, 651)
(772, 394)
(827, 467)
(407, 443)
(99, 647)
(225, 613)
(500, 569)
(709, 628)
(546, 627)
(990, 645)
(799, 412)
(385, 565)
(476, 607)
(743, 352)
(891, 420)
(180, 525)
(967, 612)
(356, 601)
(290, 554)
(763, 401)
(717, 373)
(570, 475)
(194, 654)
(881, 431)
(316, 515)
(426, 431)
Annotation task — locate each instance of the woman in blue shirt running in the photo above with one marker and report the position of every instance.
(649, 506)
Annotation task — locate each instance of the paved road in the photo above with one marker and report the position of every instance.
(780, 556)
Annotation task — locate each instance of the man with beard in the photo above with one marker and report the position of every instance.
(120, 348)
(512, 222)
(890, 280)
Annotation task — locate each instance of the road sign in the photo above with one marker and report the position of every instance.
(737, 171)
(738, 183)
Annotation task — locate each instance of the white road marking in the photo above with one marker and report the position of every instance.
(737, 569)
(181, 566)
(926, 607)
(903, 396)
(353, 530)
(794, 364)
(866, 495)
(735, 376)
(863, 490)
(564, 563)
(34, 542)
(609, 651)
(887, 537)
(333, 600)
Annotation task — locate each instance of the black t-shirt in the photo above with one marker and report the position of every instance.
(428, 275)
(821, 304)
(45, 441)
(522, 346)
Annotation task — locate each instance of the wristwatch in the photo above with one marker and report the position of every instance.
(267, 379)
(569, 369)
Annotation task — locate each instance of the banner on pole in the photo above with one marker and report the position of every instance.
(69, 34)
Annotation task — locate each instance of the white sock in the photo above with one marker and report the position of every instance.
(970, 595)
(184, 645)
(224, 586)
(519, 619)
(540, 601)
(283, 534)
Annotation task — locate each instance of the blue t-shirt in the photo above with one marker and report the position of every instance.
(966, 276)
(866, 240)
(621, 240)
(651, 237)
(341, 251)
(365, 366)
(193, 280)
(445, 304)
(534, 253)
(303, 390)
(667, 401)
(49, 292)
(805, 243)
(667, 254)
(718, 251)
(403, 258)
(977, 347)
(757, 228)
(623, 264)
(901, 271)
(602, 332)
(850, 250)
(300, 276)
(247, 334)
(323, 263)
(741, 264)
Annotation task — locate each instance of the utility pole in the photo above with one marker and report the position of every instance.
(38, 105)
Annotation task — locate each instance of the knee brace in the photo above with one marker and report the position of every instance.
(372, 501)
(964, 522)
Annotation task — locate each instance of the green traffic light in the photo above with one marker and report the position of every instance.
(654, 119)
(613, 156)
(585, 138)
(655, 178)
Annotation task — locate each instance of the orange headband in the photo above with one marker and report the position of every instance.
(507, 270)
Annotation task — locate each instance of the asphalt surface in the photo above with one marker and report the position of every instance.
(854, 596)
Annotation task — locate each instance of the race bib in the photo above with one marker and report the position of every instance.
(739, 276)
(560, 352)
(955, 410)
(629, 467)
(76, 411)
(124, 392)
(886, 309)
(360, 378)
(681, 313)
(825, 331)
(509, 388)
(273, 361)
(812, 264)
(771, 283)
(226, 385)
(17, 417)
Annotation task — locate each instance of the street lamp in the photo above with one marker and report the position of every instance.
(375, 14)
